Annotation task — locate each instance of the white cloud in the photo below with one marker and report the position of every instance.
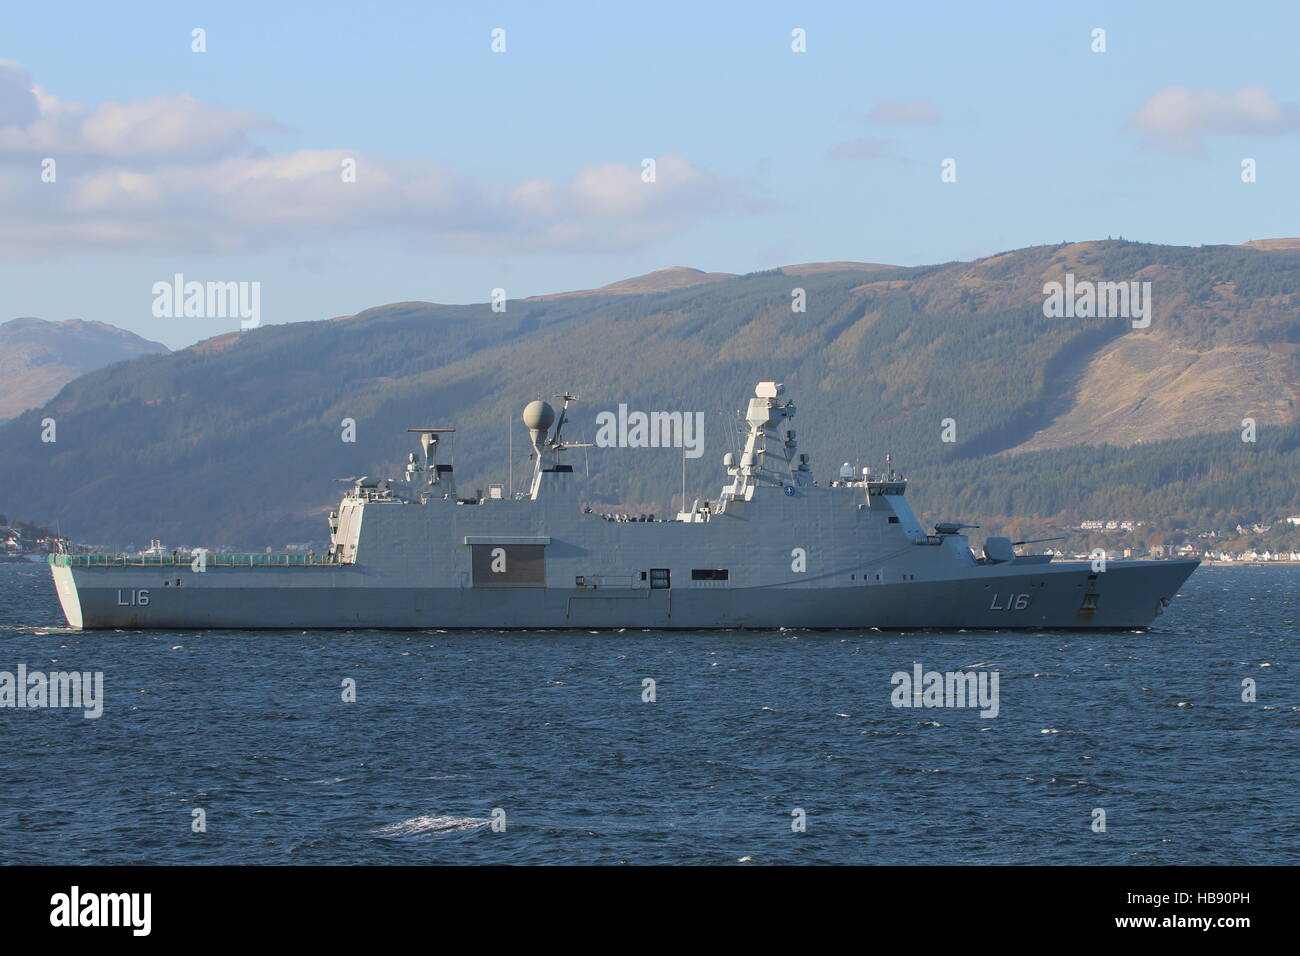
(168, 126)
(1177, 119)
(175, 173)
(34, 122)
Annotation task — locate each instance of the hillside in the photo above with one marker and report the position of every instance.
(683, 277)
(37, 358)
(236, 441)
(1222, 346)
(664, 280)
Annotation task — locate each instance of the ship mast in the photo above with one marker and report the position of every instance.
(538, 418)
(771, 454)
(440, 478)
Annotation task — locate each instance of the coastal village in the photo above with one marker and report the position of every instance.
(22, 541)
(1275, 542)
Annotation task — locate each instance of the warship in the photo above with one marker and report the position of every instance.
(774, 549)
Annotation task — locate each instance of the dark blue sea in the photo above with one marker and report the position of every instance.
(550, 729)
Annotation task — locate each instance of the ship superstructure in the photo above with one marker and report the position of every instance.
(774, 549)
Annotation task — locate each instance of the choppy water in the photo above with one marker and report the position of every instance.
(747, 726)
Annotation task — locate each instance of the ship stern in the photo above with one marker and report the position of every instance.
(65, 586)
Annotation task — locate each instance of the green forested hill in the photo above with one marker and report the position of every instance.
(1207, 481)
(236, 442)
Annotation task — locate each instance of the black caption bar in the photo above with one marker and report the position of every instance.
(336, 904)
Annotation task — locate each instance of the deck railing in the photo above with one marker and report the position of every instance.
(222, 560)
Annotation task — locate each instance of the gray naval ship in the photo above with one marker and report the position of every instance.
(775, 549)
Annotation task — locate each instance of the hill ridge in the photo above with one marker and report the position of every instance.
(878, 361)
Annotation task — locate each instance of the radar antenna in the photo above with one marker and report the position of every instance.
(556, 444)
(539, 416)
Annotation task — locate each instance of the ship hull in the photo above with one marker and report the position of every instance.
(1065, 595)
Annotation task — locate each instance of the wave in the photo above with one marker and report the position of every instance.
(426, 826)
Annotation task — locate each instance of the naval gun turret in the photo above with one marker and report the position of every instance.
(952, 527)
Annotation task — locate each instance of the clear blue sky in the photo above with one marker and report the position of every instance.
(780, 157)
